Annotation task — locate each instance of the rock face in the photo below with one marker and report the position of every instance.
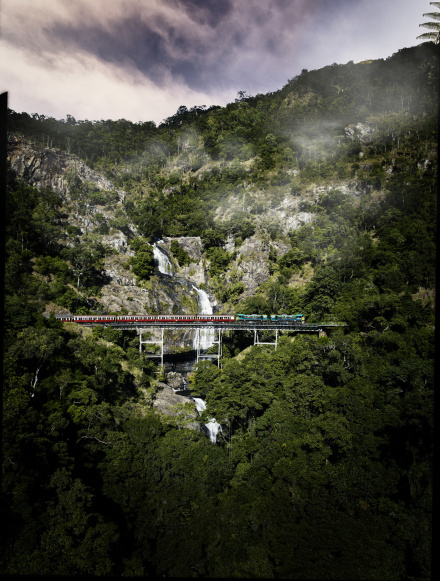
(197, 271)
(361, 131)
(118, 241)
(49, 167)
(349, 188)
(175, 380)
(251, 265)
(160, 294)
(192, 245)
(166, 399)
(166, 402)
(43, 167)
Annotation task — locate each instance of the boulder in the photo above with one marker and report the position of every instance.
(166, 402)
(175, 380)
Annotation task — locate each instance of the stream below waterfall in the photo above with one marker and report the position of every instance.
(212, 427)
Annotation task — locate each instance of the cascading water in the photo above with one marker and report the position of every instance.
(212, 427)
(207, 336)
(163, 263)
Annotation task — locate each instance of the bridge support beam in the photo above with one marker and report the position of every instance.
(153, 342)
(258, 342)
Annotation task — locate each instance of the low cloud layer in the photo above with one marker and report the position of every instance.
(142, 59)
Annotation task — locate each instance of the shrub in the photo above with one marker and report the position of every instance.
(180, 254)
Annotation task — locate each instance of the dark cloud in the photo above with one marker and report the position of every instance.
(210, 12)
(196, 41)
(155, 55)
(191, 49)
(129, 42)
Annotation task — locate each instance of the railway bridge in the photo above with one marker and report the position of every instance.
(217, 330)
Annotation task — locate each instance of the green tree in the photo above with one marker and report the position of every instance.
(77, 540)
(142, 264)
(35, 347)
(181, 255)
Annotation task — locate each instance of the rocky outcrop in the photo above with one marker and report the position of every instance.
(49, 167)
(361, 131)
(119, 241)
(191, 244)
(289, 215)
(196, 272)
(166, 399)
(252, 264)
(160, 294)
(176, 380)
(168, 403)
(353, 188)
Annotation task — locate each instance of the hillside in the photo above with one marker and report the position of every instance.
(248, 177)
(319, 198)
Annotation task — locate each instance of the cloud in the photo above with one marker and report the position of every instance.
(201, 43)
(89, 89)
(155, 55)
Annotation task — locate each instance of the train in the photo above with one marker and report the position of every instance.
(198, 318)
(298, 318)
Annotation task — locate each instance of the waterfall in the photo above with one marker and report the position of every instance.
(212, 426)
(163, 263)
(207, 336)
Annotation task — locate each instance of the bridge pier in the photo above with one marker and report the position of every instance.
(319, 328)
(154, 342)
(258, 342)
(218, 342)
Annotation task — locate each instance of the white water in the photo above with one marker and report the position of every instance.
(163, 263)
(207, 336)
(213, 427)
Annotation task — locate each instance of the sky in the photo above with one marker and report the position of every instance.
(142, 59)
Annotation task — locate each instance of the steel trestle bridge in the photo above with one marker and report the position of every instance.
(256, 327)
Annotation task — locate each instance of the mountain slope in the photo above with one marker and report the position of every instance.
(319, 198)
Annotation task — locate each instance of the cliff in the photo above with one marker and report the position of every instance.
(50, 167)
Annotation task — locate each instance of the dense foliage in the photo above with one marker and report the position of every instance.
(255, 143)
(323, 468)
